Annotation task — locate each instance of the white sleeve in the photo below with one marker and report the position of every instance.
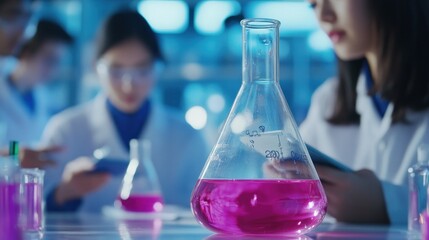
(396, 199)
(54, 136)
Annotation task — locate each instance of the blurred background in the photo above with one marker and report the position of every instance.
(203, 53)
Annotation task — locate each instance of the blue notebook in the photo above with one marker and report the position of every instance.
(320, 158)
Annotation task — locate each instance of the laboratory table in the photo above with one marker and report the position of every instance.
(101, 226)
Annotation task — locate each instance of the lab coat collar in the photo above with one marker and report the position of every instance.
(106, 133)
(366, 109)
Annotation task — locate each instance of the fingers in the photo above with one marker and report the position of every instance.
(51, 149)
(80, 184)
(38, 164)
(77, 167)
(81, 164)
(100, 178)
(90, 182)
(366, 173)
(330, 175)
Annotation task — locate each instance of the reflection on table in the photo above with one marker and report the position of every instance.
(184, 226)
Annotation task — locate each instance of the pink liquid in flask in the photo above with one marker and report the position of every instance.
(287, 207)
(142, 203)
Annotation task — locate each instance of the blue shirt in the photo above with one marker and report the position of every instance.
(129, 125)
(379, 103)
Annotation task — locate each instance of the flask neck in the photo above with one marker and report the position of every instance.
(260, 50)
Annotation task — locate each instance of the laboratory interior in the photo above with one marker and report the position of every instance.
(214, 119)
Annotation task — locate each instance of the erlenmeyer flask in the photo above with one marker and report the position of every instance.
(259, 178)
(140, 190)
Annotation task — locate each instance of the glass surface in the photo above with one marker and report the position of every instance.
(259, 178)
(140, 190)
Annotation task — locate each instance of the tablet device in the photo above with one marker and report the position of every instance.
(320, 158)
(116, 167)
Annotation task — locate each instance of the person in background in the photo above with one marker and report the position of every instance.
(375, 113)
(15, 20)
(128, 61)
(22, 96)
(15, 15)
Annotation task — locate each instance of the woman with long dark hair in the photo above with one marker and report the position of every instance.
(375, 113)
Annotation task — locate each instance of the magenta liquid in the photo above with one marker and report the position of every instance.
(9, 211)
(142, 203)
(33, 207)
(290, 207)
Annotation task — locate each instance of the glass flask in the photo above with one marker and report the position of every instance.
(418, 183)
(259, 178)
(140, 191)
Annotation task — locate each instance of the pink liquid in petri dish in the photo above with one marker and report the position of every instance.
(269, 207)
(142, 203)
(9, 211)
(33, 206)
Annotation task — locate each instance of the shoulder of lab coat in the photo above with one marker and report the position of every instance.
(318, 132)
(322, 102)
(20, 124)
(321, 107)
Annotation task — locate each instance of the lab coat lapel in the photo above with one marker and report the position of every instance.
(369, 118)
(365, 107)
(104, 130)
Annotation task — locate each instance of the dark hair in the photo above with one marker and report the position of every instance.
(2, 2)
(402, 30)
(46, 31)
(233, 20)
(125, 25)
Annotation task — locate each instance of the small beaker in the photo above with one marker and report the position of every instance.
(32, 197)
(9, 200)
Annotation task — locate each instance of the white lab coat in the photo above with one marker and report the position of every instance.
(376, 144)
(178, 151)
(18, 123)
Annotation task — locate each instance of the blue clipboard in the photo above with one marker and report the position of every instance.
(116, 167)
(320, 158)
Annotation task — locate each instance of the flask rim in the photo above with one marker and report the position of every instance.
(260, 23)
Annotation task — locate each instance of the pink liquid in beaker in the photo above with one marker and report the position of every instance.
(33, 206)
(289, 207)
(9, 211)
(142, 203)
